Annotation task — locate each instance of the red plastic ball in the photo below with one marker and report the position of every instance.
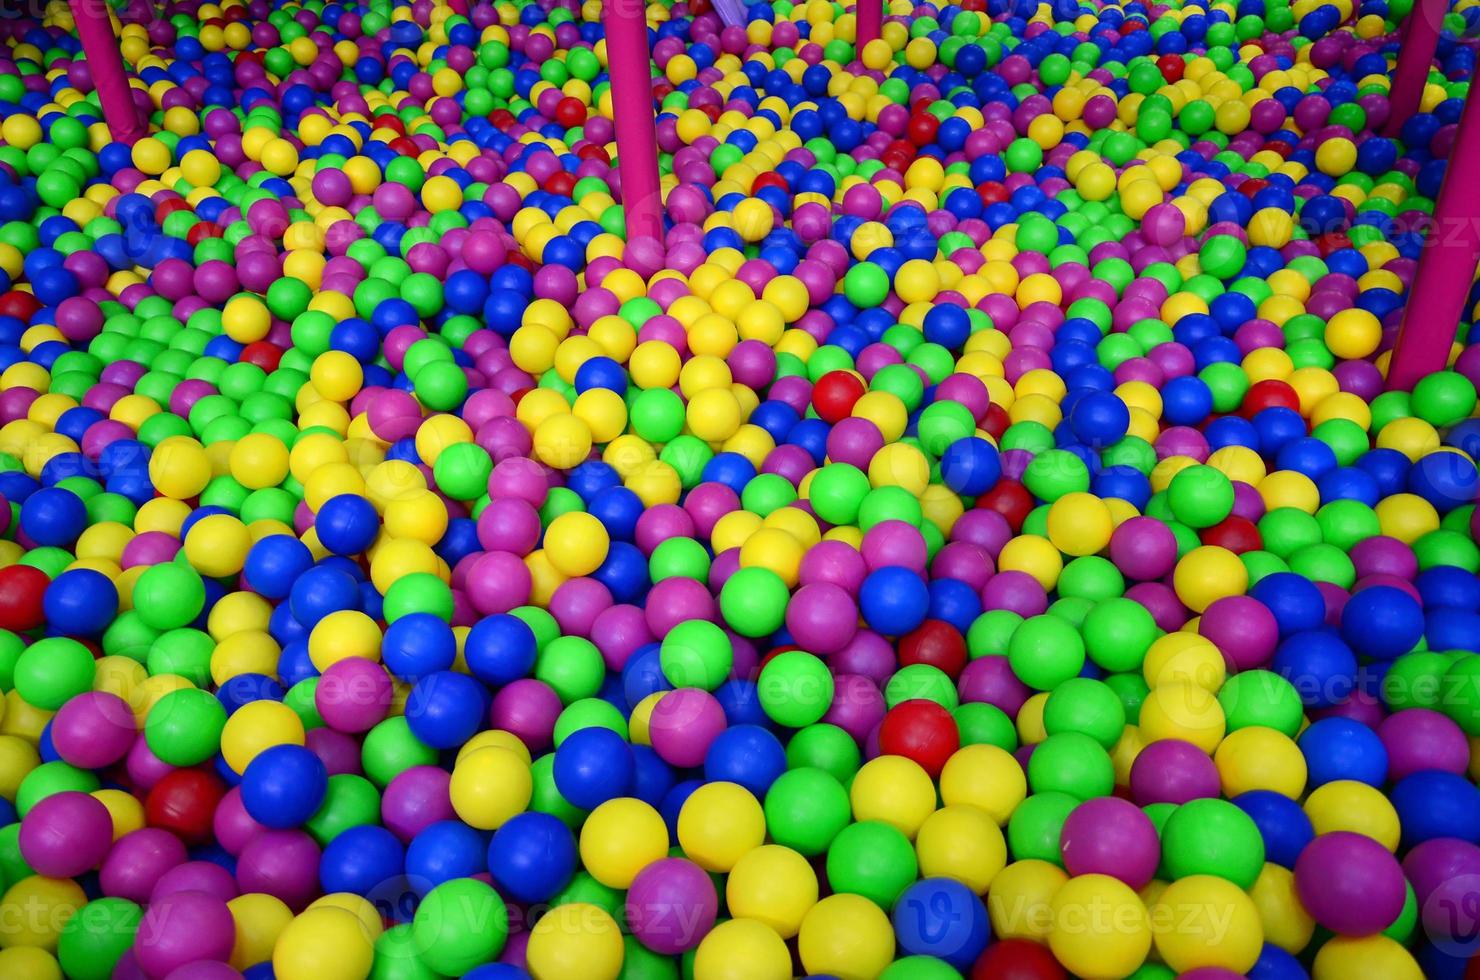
(21, 590)
(922, 731)
(937, 643)
(264, 354)
(1172, 67)
(1237, 534)
(1017, 959)
(184, 803)
(996, 421)
(922, 129)
(561, 183)
(18, 304)
(835, 394)
(1269, 394)
(1010, 499)
(993, 192)
(570, 112)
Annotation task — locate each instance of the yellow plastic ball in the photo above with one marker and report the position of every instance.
(986, 777)
(1257, 758)
(179, 468)
(1349, 805)
(260, 918)
(489, 787)
(774, 885)
(1206, 574)
(1207, 921)
(1286, 922)
(961, 842)
(1079, 524)
(742, 949)
(846, 936)
(620, 838)
(1100, 927)
(246, 318)
(894, 790)
(1184, 711)
(576, 543)
(1019, 901)
(217, 545)
(324, 942)
(1365, 958)
(40, 907)
(259, 460)
(1353, 333)
(30, 962)
(719, 824)
(575, 941)
(255, 726)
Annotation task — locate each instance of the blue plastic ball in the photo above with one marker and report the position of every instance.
(284, 786)
(594, 765)
(533, 856)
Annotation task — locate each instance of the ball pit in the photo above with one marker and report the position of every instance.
(968, 537)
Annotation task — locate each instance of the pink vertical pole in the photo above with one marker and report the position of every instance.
(1420, 39)
(630, 66)
(1446, 270)
(100, 46)
(870, 15)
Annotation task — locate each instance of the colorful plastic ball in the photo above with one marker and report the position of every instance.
(323, 941)
(283, 786)
(1099, 926)
(1017, 959)
(1381, 622)
(941, 918)
(94, 941)
(361, 859)
(805, 809)
(742, 949)
(1111, 836)
(346, 524)
(1198, 943)
(796, 688)
(1212, 837)
(65, 834)
(532, 857)
(182, 928)
(460, 924)
(594, 765)
(619, 839)
(671, 906)
(81, 602)
(894, 600)
(574, 940)
(845, 935)
(1335, 869)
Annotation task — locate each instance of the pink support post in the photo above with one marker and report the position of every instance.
(1446, 270)
(1420, 39)
(100, 46)
(630, 65)
(870, 15)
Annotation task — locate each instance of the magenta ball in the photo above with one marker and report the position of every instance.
(1143, 548)
(1173, 771)
(182, 928)
(1111, 836)
(66, 834)
(822, 617)
(354, 695)
(1418, 739)
(1243, 628)
(93, 730)
(1350, 883)
(282, 863)
(137, 862)
(671, 905)
(196, 876)
(682, 725)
